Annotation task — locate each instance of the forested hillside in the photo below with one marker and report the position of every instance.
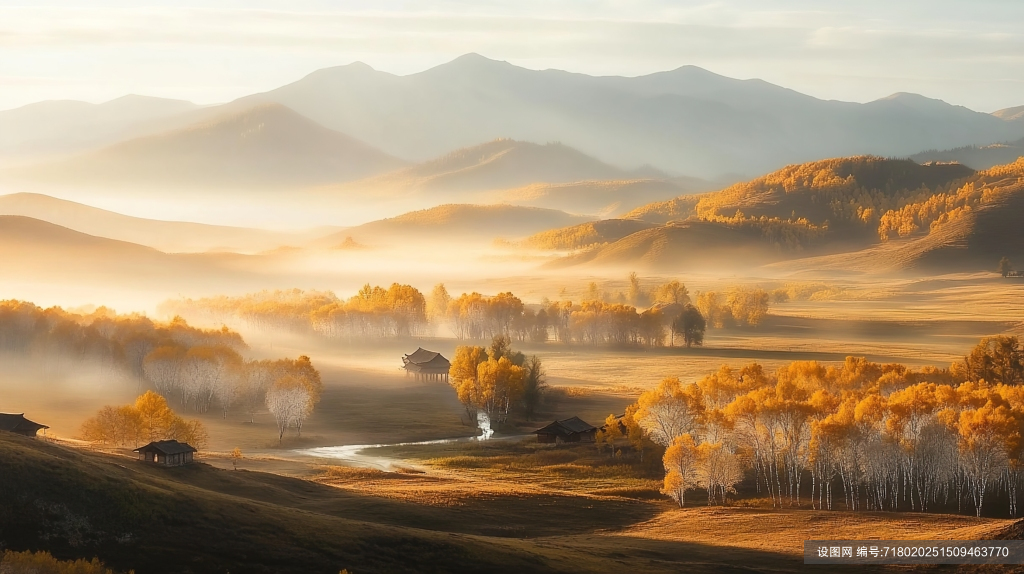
(829, 206)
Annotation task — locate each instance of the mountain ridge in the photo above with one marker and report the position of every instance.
(264, 145)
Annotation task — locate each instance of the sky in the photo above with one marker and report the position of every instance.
(969, 53)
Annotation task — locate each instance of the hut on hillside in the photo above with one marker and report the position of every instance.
(19, 424)
(428, 365)
(167, 453)
(567, 430)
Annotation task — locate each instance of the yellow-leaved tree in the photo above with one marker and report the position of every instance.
(680, 468)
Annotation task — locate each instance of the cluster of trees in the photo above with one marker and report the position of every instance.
(116, 341)
(374, 312)
(791, 234)
(476, 316)
(204, 376)
(148, 419)
(887, 437)
(496, 380)
(740, 306)
(201, 367)
(594, 321)
(933, 209)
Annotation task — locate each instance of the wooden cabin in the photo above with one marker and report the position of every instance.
(19, 424)
(167, 453)
(427, 365)
(568, 430)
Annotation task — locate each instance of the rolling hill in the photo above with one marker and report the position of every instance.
(585, 234)
(456, 222)
(859, 214)
(496, 165)
(169, 236)
(40, 252)
(609, 198)
(1010, 114)
(973, 241)
(61, 127)
(263, 146)
(811, 190)
(679, 246)
(684, 121)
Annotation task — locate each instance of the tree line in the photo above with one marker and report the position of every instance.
(637, 316)
(201, 368)
(115, 341)
(878, 437)
(373, 313)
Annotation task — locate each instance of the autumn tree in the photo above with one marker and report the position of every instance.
(672, 292)
(155, 415)
(681, 473)
(609, 433)
(691, 325)
(290, 403)
(670, 410)
(437, 305)
(636, 295)
(718, 470)
(998, 359)
(462, 376)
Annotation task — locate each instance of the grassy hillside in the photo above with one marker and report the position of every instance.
(266, 145)
(683, 245)
(458, 221)
(173, 236)
(199, 519)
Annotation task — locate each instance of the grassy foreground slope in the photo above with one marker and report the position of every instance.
(77, 503)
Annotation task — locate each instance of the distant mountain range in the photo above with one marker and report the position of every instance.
(266, 145)
(55, 127)
(685, 121)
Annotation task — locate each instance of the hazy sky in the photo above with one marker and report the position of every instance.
(964, 52)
